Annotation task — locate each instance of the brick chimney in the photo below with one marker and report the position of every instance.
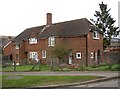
(49, 19)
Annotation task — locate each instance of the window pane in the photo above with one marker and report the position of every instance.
(43, 54)
(51, 41)
(32, 40)
(78, 55)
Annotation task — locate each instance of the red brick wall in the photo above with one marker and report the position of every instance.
(8, 49)
(77, 44)
(93, 46)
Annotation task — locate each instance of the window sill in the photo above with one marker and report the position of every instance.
(95, 38)
(78, 58)
(32, 43)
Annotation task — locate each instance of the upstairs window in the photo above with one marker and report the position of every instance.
(32, 41)
(95, 35)
(17, 47)
(51, 41)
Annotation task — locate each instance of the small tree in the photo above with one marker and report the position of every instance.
(105, 23)
(58, 53)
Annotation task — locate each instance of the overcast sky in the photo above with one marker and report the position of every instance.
(18, 15)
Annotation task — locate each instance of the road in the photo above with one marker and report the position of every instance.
(71, 73)
(109, 84)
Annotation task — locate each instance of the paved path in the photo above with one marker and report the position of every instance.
(108, 83)
(71, 73)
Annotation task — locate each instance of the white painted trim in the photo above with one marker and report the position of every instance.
(43, 53)
(7, 44)
(78, 53)
(92, 55)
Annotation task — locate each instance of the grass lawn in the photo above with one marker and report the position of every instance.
(26, 68)
(25, 81)
(115, 67)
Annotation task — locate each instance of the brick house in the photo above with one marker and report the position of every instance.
(80, 36)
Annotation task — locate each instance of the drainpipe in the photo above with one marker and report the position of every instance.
(19, 54)
(86, 51)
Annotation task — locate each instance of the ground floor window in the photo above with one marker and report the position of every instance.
(92, 55)
(43, 53)
(78, 55)
(17, 56)
(33, 55)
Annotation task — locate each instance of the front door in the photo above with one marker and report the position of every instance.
(70, 57)
(70, 60)
(96, 57)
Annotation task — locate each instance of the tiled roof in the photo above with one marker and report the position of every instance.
(72, 28)
(69, 28)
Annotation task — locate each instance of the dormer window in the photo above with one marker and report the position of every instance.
(51, 41)
(32, 41)
(95, 35)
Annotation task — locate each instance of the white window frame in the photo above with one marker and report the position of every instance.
(32, 41)
(51, 41)
(78, 53)
(95, 35)
(32, 55)
(92, 55)
(43, 53)
(16, 46)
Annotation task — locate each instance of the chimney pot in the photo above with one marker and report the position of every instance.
(49, 19)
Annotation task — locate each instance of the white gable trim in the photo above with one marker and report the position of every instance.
(7, 44)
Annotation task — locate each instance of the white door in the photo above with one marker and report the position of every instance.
(96, 57)
(70, 60)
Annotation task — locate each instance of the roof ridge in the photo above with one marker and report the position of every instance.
(68, 21)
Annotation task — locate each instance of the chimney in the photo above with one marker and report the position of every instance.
(49, 19)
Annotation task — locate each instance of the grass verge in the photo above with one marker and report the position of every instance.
(25, 81)
(115, 67)
(26, 68)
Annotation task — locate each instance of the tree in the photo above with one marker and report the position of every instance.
(58, 55)
(105, 23)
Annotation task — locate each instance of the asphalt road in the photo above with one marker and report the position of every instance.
(109, 83)
(71, 73)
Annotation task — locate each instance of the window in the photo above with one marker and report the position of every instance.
(32, 41)
(17, 46)
(33, 55)
(92, 55)
(17, 56)
(43, 54)
(78, 55)
(51, 41)
(95, 35)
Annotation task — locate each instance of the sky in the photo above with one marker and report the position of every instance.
(18, 15)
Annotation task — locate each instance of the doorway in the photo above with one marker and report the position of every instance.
(70, 57)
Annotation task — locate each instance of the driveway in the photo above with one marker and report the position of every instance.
(71, 73)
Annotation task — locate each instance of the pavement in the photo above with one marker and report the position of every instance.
(108, 75)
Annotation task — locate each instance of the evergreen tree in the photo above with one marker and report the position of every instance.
(105, 23)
